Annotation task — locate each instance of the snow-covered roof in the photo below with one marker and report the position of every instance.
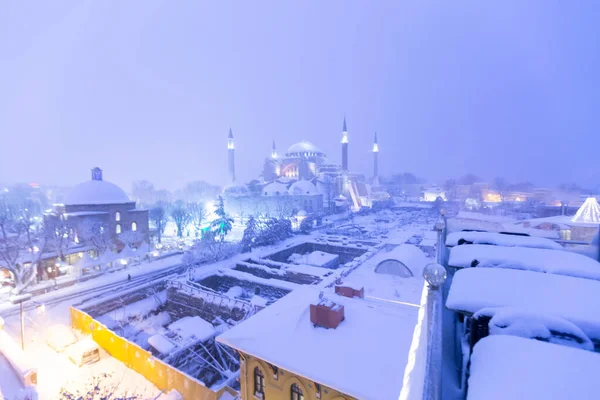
(127, 252)
(161, 344)
(549, 371)
(303, 147)
(235, 189)
(560, 262)
(302, 187)
(574, 299)
(274, 189)
(588, 213)
(500, 239)
(96, 192)
(363, 357)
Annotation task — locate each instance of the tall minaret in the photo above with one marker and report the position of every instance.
(230, 152)
(375, 159)
(273, 151)
(344, 147)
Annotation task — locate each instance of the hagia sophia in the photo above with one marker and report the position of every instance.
(303, 180)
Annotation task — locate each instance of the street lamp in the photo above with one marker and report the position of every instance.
(20, 299)
(435, 275)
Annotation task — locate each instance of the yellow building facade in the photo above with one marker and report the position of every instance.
(260, 380)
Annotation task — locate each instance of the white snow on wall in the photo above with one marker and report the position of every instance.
(541, 260)
(499, 371)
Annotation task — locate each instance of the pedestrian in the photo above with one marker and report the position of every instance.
(128, 277)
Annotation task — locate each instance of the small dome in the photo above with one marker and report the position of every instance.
(275, 189)
(303, 147)
(97, 192)
(302, 187)
(235, 190)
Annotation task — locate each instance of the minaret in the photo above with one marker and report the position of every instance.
(273, 151)
(231, 151)
(344, 147)
(375, 159)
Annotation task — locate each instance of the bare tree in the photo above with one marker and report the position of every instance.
(329, 189)
(18, 252)
(198, 215)
(501, 186)
(158, 216)
(59, 236)
(450, 189)
(181, 216)
(131, 238)
(95, 233)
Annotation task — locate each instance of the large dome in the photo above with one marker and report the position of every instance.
(97, 192)
(304, 147)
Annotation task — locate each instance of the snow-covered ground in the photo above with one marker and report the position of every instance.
(385, 289)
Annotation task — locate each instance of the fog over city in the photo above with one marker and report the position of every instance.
(148, 90)
(299, 200)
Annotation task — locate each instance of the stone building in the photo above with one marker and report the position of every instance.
(100, 207)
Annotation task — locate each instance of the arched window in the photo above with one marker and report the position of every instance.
(118, 229)
(133, 226)
(296, 392)
(117, 216)
(259, 383)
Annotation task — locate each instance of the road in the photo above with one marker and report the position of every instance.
(50, 299)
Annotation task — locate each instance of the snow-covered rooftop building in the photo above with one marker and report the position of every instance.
(99, 207)
(363, 357)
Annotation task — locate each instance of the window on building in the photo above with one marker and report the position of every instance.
(133, 226)
(118, 229)
(117, 216)
(296, 392)
(259, 383)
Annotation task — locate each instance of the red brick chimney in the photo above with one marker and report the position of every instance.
(326, 314)
(348, 291)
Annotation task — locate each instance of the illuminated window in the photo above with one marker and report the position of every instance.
(117, 216)
(259, 383)
(296, 392)
(133, 226)
(118, 229)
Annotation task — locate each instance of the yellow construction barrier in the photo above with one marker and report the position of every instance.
(163, 376)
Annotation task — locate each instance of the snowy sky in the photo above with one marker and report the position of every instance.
(148, 89)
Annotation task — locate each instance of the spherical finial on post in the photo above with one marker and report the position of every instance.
(435, 275)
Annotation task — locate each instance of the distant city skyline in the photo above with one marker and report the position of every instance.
(496, 89)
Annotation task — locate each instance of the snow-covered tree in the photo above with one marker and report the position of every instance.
(223, 224)
(19, 253)
(250, 234)
(198, 215)
(158, 217)
(328, 183)
(131, 238)
(501, 186)
(181, 216)
(95, 233)
(306, 225)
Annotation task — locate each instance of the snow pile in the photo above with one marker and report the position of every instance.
(377, 334)
(529, 325)
(256, 300)
(138, 309)
(588, 213)
(500, 371)
(193, 327)
(16, 357)
(499, 239)
(235, 292)
(59, 337)
(540, 260)
(161, 344)
(574, 299)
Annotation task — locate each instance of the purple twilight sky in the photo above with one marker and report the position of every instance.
(148, 89)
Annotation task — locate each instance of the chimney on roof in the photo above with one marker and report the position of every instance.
(326, 314)
(351, 292)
